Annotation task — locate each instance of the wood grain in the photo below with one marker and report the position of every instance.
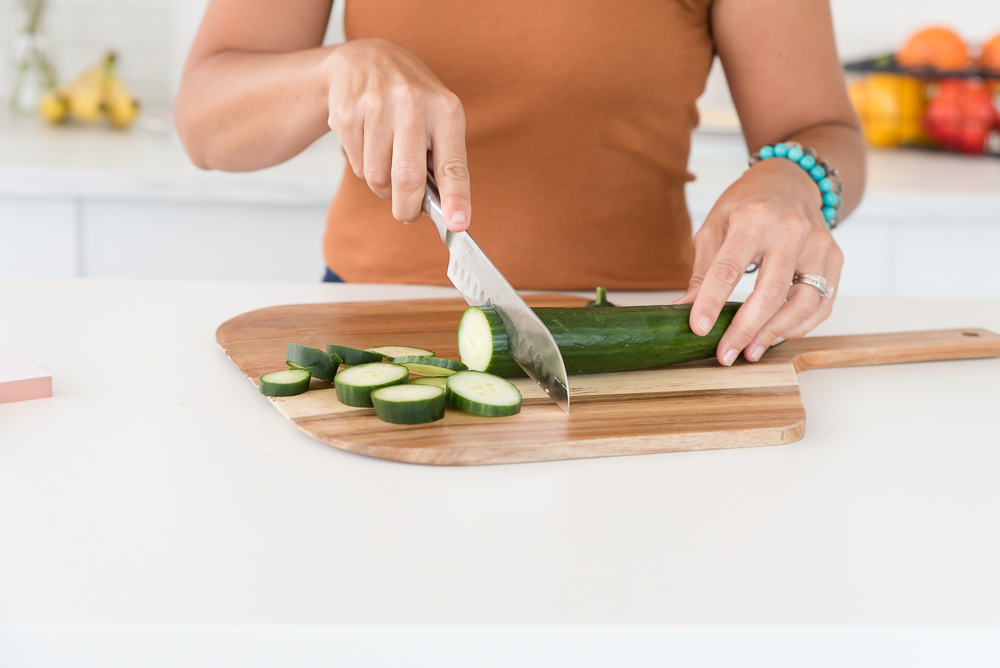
(696, 406)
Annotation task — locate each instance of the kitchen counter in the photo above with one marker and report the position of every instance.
(157, 506)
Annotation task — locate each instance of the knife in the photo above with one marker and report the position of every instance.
(481, 284)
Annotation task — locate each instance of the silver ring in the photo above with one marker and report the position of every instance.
(816, 281)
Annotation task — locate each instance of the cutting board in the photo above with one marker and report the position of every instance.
(695, 406)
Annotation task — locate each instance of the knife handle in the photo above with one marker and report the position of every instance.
(432, 207)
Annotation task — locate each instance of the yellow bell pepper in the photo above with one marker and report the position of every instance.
(891, 107)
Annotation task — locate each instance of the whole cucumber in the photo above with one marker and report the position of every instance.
(596, 339)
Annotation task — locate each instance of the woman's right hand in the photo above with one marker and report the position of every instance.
(389, 111)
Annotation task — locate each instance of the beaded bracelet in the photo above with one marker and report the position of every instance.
(825, 177)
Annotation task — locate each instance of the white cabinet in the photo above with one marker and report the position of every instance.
(202, 241)
(38, 237)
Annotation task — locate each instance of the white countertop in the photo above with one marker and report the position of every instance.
(157, 489)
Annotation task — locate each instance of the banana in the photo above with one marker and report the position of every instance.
(94, 95)
(53, 107)
(86, 95)
(121, 107)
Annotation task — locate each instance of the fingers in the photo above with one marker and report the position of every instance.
(377, 158)
(706, 246)
(767, 298)
(805, 307)
(409, 159)
(725, 271)
(451, 168)
(352, 140)
(834, 267)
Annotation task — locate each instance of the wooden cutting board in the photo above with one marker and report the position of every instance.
(697, 406)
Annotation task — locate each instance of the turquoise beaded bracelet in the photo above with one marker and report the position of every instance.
(825, 177)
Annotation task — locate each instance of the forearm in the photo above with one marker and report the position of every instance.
(843, 148)
(239, 111)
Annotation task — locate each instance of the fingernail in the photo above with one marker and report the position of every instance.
(459, 217)
(756, 353)
(778, 340)
(704, 324)
(730, 356)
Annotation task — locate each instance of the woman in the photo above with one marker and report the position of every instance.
(573, 119)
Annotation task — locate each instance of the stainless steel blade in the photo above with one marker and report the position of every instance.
(481, 283)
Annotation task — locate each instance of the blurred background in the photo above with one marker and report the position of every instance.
(94, 183)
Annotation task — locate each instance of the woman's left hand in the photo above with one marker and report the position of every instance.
(770, 217)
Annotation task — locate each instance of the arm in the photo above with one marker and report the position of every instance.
(258, 88)
(782, 66)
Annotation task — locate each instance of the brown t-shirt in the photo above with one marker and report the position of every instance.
(579, 117)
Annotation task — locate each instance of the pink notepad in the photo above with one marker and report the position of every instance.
(20, 381)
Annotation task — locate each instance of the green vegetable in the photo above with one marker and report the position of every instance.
(483, 394)
(392, 352)
(429, 366)
(602, 298)
(313, 360)
(595, 339)
(285, 383)
(353, 356)
(355, 385)
(409, 404)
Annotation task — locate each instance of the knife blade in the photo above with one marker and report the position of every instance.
(481, 284)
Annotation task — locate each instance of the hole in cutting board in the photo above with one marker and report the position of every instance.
(970, 333)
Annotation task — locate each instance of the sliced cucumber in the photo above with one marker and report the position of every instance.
(355, 385)
(436, 381)
(409, 404)
(285, 383)
(353, 356)
(483, 394)
(430, 366)
(392, 352)
(313, 360)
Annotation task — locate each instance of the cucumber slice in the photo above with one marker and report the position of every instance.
(353, 356)
(430, 366)
(285, 383)
(436, 381)
(409, 404)
(392, 352)
(313, 360)
(483, 394)
(355, 385)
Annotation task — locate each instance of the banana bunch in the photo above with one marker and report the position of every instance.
(97, 94)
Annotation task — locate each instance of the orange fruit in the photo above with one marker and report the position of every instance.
(989, 55)
(937, 47)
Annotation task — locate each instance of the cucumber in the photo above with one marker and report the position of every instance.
(483, 394)
(602, 298)
(409, 404)
(285, 383)
(595, 339)
(392, 352)
(313, 360)
(436, 381)
(353, 356)
(430, 366)
(355, 385)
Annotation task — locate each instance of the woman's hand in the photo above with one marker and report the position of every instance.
(770, 217)
(389, 111)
